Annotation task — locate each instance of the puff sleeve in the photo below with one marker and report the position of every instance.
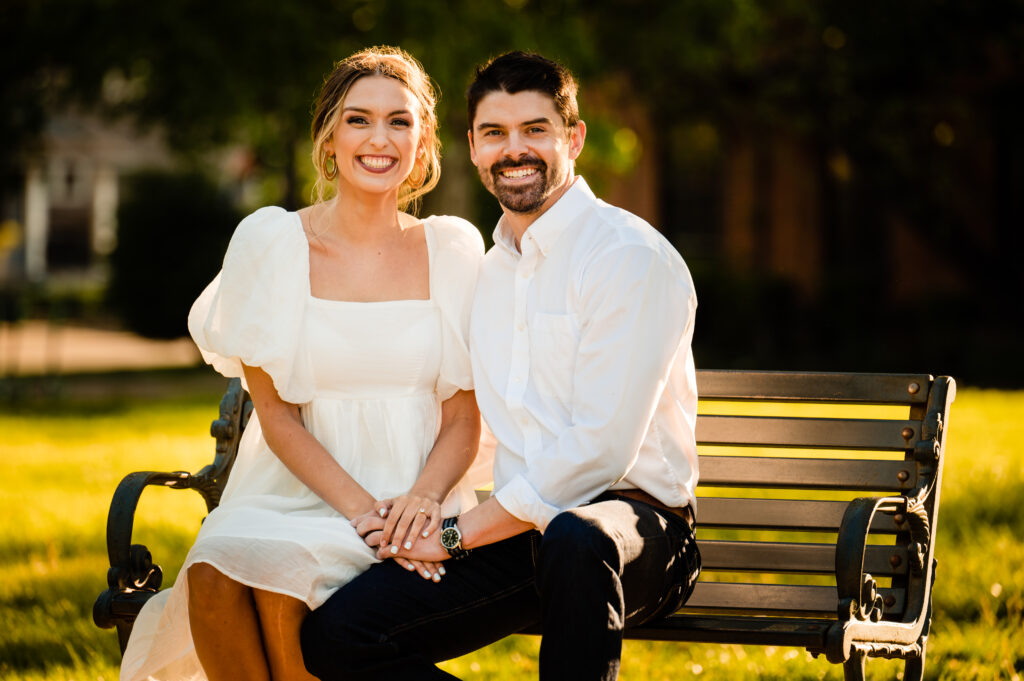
(253, 310)
(456, 252)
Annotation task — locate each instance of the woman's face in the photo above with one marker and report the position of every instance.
(377, 139)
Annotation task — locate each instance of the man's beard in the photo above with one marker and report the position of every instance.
(526, 198)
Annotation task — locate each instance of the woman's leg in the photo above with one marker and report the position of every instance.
(280, 620)
(225, 626)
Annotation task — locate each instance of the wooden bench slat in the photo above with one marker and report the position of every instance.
(780, 514)
(777, 598)
(780, 557)
(852, 474)
(813, 387)
(812, 433)
(715, 628)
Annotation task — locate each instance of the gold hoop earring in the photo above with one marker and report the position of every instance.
(421, 178)
(330, 166)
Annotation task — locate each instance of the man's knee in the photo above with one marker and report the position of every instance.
(575, 540)
(316, 648)
(335, 642)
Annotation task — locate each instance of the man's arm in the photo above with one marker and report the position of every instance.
(488, 523)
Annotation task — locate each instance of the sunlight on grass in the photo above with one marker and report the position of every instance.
(57, 474)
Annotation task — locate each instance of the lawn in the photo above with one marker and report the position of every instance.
(59, 466)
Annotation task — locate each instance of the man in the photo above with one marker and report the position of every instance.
(580, 340)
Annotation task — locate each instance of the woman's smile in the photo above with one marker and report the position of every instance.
(377, 164)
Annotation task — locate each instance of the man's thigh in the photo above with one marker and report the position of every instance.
(655, 554)
(390, 611)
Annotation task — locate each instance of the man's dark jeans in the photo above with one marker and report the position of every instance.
(595, 569)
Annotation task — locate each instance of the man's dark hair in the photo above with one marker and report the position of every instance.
(515, 72)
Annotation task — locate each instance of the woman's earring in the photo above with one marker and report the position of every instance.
(330, 166)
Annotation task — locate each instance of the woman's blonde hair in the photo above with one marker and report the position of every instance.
(391, 62)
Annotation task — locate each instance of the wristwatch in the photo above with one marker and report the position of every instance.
(451, 538)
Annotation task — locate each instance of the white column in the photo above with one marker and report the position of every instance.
(37, 222)
(104, 210)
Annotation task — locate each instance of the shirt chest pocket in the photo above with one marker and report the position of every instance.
(554, 342)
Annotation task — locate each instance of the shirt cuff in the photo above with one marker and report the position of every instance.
(519, 498)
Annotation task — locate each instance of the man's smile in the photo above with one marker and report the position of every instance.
(516, 173)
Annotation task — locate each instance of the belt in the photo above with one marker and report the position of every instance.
(684, 512)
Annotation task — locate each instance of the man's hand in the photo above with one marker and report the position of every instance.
(426, 549)
(370, 526)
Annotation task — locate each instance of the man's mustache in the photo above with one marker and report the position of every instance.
(509, 164)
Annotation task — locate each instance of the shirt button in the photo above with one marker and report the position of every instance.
(524, 274)
(520, 327)
(517, 380)
(523, 421)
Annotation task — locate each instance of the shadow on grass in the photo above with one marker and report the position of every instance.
(90, 394)
(46, 601)
(49, 623)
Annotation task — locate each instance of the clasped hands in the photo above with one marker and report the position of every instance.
(405, 528)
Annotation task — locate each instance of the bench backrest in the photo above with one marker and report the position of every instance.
(781, 456)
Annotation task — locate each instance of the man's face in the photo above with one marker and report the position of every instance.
(522, 149)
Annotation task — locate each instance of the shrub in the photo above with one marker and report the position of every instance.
(172, 231)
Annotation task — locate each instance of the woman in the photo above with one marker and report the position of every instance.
(348, 322)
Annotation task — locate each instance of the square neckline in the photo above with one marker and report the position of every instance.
(428, 236)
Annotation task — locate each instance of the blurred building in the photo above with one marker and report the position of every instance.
(58, 211)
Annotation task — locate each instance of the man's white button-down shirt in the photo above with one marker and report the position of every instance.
(582, 361)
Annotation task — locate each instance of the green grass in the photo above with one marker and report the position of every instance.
(58, 468)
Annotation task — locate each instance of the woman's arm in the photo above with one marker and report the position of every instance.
(302, 453)
(450, 458)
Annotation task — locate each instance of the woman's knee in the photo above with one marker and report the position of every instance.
(211, 587)
(279, 606)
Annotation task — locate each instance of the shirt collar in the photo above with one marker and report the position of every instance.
(546, 229)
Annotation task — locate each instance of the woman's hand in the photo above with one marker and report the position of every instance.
(408, 518)
(370, 526)
(425, 569)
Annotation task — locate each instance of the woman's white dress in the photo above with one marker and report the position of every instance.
(369, 379)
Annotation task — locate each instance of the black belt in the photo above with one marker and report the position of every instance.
(684, 512)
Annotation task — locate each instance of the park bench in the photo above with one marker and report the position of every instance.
(817, 508)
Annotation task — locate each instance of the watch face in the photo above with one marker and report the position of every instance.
(450, 537)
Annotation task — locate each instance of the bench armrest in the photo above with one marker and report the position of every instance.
(858, 597)
(861, 607)
(129, 569)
